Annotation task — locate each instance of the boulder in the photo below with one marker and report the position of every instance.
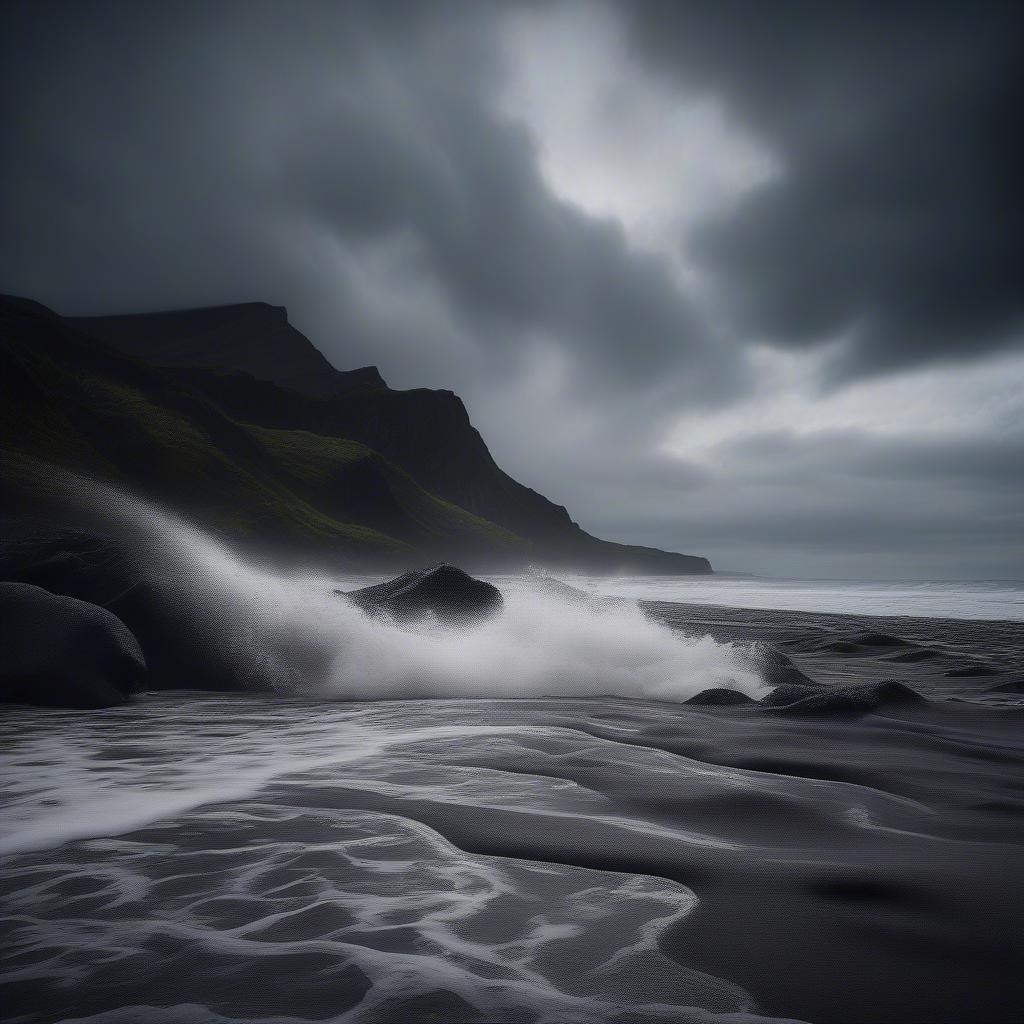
(445, 591)
(57, 651)
(181, 646)
(719, 696)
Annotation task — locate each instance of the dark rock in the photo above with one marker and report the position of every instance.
(444, 590)
(181, 646)
(776, 668)
(57, 651)
(867, 697)
(788, 694)
(718, 696)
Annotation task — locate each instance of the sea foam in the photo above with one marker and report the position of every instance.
(297, 635)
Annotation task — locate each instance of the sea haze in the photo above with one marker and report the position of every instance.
(988, 600)
(971, 599)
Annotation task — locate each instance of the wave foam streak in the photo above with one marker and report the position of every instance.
(275, 861)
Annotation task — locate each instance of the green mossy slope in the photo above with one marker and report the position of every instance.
(70, 401)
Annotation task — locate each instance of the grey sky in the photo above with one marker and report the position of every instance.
(737, 279)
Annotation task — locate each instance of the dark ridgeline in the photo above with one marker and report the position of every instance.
(254, 337)
(233, 417)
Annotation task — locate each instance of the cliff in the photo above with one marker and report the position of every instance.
(232, 414)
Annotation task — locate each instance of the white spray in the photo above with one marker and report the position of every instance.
(295, 634)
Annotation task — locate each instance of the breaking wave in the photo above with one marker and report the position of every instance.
(295, 634)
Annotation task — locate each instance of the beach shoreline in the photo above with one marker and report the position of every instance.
(565, 858)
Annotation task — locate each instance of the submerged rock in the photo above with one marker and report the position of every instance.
(856, 698)
(719, 696)
(58, 651)
(443, 590)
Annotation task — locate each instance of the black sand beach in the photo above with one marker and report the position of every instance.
(380, 383)
(600, 859)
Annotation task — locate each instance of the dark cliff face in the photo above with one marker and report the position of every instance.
(428, 433)
(69, 401)
(253, 336)
(245, 378)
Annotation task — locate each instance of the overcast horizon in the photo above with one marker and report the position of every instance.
(733, 279)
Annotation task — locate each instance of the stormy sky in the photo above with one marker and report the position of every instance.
(738, 279)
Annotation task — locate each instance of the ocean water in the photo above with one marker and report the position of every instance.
(979, 599)
(200, 858)
(551, 838)
(988, 600)
(196, 858)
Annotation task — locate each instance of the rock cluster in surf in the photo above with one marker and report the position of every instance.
(81, 621)
(794, 698)
(61, 652)
(181, 645)
(99, 582)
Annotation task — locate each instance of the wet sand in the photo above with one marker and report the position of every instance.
(206, 858)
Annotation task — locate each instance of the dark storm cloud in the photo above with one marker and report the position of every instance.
(512, 257)
(898, 220)
(846, 503)
(352, 161)
(191, 153)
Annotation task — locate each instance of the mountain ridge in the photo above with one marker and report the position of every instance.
(256, 337)
(423, 475)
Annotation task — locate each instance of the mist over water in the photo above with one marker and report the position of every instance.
(296, 635)
(992, 600)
